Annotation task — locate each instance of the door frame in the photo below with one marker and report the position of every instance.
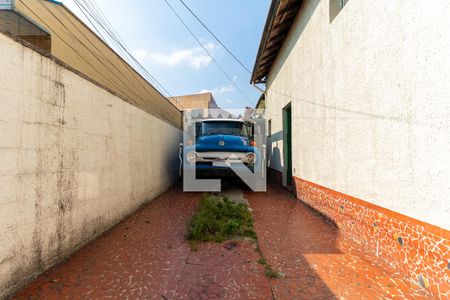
(287, 146)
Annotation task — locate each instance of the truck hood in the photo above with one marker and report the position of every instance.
(219, 142)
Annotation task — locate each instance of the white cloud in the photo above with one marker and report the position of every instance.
(225, 89)
(219, 91)
(194, 57)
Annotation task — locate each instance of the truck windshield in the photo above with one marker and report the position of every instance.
(218, 127)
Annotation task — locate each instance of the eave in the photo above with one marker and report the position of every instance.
(279, 21)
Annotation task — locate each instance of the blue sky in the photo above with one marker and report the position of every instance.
(169, 52)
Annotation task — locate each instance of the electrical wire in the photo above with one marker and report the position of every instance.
(98, 16)
(119, 43)
(220, 42)
(68, 45)
(116, 85)
(208, 53)
(214, 36)
(109, 25)
(100, 52)
(229, 51)
(118, 88)
(128, 67)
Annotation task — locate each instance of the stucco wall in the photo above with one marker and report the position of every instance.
(74, 160)
(77, 46)
(370, 99)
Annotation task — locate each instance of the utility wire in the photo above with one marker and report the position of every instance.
(209, 54)
(87, 62)
(99, 51)
(68, 45)
(220, 42)
(118, 85)
(109, 25)
(100, 34)
(215, 37)
(118, 41)
(99, 17)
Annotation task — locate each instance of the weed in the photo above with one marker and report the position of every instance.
(270, 273)
(219, 219)
(194, 245)
(262, 261)
(268, 270)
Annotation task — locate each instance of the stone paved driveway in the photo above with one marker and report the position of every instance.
(146, 257)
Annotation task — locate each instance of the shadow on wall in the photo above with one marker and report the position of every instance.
(274, 153)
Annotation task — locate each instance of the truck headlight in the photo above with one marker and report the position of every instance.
(250, 158)
(191, 157)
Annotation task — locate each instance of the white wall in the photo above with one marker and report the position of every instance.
(74, 160)
(370, 96)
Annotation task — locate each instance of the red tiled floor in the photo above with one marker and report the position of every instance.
(146, 257)
(315, 261)
(142, 257)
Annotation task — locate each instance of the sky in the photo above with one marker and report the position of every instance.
(163, 45)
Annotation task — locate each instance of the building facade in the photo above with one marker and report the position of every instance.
(202, 103)
(357, 107)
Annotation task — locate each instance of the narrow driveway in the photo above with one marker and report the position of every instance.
(147, 257)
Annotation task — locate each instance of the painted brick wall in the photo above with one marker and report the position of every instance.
(419, 250)
(74, 160)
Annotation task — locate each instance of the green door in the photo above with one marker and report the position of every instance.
(287, 146)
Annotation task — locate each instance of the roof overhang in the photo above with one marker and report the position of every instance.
(281, 16)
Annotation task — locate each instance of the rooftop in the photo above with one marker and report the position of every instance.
(281, 15)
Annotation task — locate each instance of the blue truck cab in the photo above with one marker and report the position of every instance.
(219, 143)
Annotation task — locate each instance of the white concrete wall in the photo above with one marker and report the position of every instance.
(370, 95)
(74, 160)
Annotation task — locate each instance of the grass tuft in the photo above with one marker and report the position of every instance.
(268, 270)
(270, 273)
(219, 219)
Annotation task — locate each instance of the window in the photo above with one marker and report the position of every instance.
(335, 7)
(225, 127)
(269, 127)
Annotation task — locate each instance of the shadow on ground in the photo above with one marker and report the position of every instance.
(147, 257)
(316, 261)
